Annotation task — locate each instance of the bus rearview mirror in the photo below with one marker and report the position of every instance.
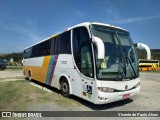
(100, 47)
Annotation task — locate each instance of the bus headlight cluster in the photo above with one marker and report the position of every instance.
(105, 89)
(137, 85)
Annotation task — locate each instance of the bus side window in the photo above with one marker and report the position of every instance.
(56, 46)
(86, 54)
(42, 49)
(52, 46)
(76, 47)
(82, 51)
(64, 43)
(27, 53)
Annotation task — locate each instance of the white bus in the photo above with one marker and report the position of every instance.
(94, 61)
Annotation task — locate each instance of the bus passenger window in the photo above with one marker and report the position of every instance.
(64, 43)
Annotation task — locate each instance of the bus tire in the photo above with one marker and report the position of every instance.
(65, 88)
(29, 75)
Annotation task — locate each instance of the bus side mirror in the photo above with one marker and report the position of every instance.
(100, 47)
(144, 46)
(135, 45)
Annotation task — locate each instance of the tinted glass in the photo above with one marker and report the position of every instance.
(120, 59)
(27, 53)
(64, 43)
(82, 51)
(54, 45)
(42, 49)
(76, 47)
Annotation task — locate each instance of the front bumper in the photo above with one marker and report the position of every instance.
(103, 98)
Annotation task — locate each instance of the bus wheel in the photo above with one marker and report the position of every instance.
(65, 88)
(29, 75)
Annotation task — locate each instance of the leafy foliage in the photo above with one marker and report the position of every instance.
(17, 57)
(155, 54)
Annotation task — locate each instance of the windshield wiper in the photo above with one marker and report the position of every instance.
(120, 71)
(130, 62)
(123, 57)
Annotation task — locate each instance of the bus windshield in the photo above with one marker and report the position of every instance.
(120, 60)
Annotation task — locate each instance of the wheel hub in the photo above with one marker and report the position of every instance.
(64, 87)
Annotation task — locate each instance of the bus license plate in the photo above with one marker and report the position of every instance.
(126, 96)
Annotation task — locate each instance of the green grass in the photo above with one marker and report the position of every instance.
(16, 95)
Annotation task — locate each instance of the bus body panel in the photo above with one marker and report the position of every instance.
(75, 82)
(119, 85)
(88, 88)
(65, 68)
(38, 61)
(103, 98)
(49, 71)
(38, 67)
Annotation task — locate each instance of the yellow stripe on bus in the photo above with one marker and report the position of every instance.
(53, 35)
(39, 73)
(45, 67)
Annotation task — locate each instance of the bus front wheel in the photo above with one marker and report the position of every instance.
(65, 88)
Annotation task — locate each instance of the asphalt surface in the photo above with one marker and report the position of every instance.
(10, 74)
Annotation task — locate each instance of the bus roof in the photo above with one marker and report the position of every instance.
(78, 25)
(147, 60)
(96, 23)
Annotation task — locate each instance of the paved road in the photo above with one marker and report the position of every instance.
(6, 74)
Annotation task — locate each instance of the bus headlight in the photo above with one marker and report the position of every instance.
(137, 85)
(105, 89)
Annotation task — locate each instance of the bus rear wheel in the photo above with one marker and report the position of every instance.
(65, 88)
(29, 75)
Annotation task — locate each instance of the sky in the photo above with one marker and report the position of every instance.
(26, 22)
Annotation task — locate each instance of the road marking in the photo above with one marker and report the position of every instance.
(41, 87)
(10, 80)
